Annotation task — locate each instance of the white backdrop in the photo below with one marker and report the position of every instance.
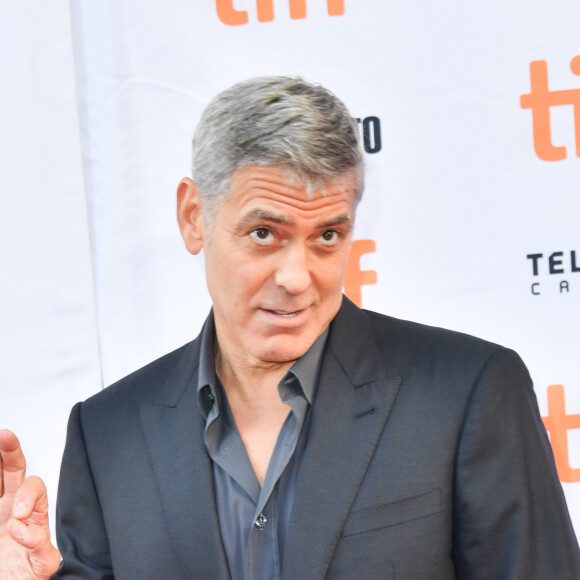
(99, 104)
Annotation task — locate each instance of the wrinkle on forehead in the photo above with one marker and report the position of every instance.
(278, 185)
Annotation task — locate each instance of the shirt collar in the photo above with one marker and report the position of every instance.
(206, 382)
(305, 369)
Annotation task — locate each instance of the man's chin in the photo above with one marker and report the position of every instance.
(284, 353)
(281, 357)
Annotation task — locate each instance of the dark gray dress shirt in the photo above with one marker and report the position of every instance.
(253, 519)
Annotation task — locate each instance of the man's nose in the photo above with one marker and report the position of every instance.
(293, 269)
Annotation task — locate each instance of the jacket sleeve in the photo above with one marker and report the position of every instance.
(510, 515)
(81, 534)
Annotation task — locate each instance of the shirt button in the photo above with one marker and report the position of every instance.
(261, 521)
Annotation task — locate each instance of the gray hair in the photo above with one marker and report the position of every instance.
(281, 121)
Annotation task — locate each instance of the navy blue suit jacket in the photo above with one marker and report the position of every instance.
(426, 460)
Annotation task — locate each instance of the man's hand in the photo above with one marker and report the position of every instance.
(25, 549)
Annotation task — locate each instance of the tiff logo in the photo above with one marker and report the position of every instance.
(540, 99)
(354, 277)
(558, 423)
(229, 15)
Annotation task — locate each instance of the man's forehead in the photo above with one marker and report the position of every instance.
(293, 179)
(278, 184)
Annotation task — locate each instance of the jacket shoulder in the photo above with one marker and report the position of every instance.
(161, 381)
(406, 330)
(419, 345)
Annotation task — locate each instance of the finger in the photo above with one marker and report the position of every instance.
(29, 526)
(43, 556)
(27, 535)
(12, 462)
(31, 502)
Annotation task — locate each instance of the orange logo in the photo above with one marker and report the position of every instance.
(354, 277)
(557, 423)
(229, 15)
(540, 99)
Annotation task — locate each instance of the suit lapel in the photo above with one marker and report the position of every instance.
(353, 400)
(173, 428)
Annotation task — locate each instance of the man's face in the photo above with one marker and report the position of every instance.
(275, 261)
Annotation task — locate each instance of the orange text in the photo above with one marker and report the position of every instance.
(265, 9)
(558, 423)
(540, 99)
(355, 278)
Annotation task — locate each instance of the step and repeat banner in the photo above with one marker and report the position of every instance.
(470, 120)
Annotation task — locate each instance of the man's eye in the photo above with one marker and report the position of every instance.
(329, 236)
(261, 234)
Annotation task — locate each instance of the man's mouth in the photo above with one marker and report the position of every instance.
(285, 314)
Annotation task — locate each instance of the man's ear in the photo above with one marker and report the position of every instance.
(190, 215)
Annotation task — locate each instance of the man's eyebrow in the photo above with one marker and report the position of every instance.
(339, 220)
(261, 215)
(264, 215)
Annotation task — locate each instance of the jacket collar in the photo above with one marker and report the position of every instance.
(173, 431)
(352, 404)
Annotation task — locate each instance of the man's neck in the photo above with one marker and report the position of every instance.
(241, 373)
(248, 379)
(258, 411)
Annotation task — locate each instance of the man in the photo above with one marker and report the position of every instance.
(297, 437)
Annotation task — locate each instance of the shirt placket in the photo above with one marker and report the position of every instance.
(263, 540)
